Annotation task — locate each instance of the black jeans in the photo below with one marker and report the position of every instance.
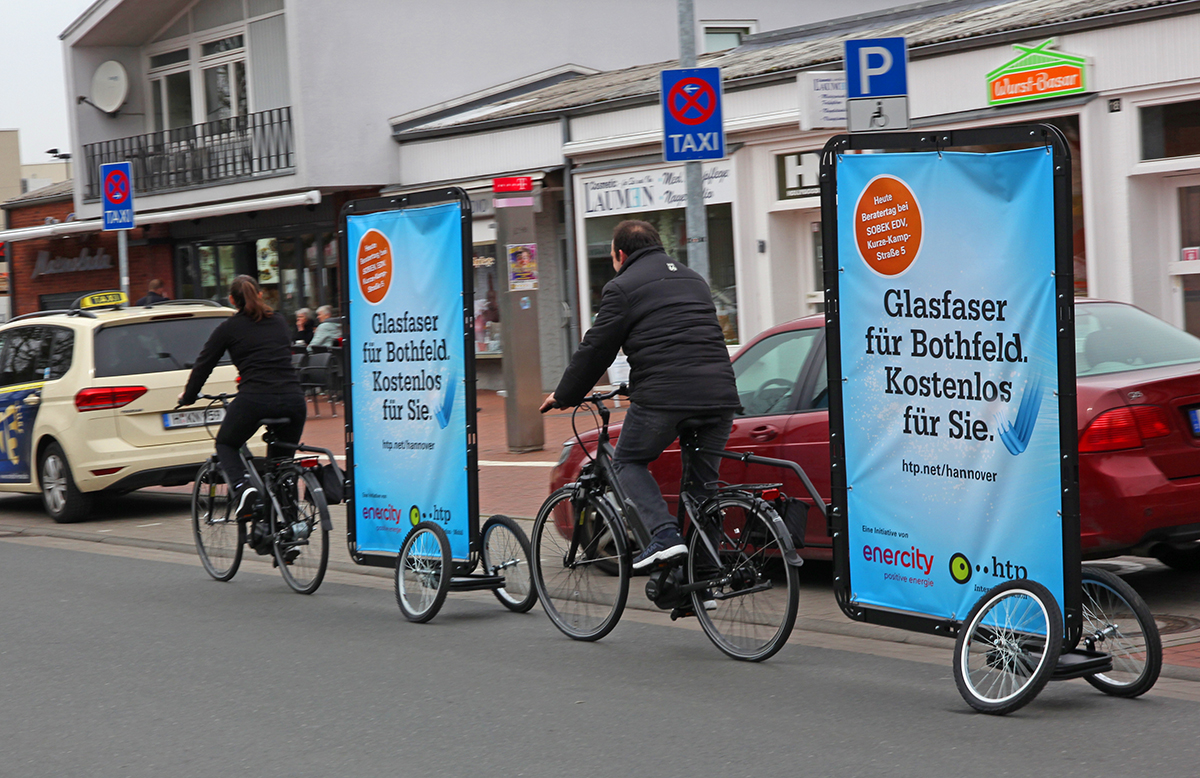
(645, 433)
(244, 416)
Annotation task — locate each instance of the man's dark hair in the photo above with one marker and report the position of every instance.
(631, 235)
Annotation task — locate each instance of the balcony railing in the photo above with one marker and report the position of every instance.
(218, 152)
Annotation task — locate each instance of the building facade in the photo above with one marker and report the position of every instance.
(1118, 78)
(253, 121)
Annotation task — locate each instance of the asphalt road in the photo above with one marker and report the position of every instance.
(130, 662)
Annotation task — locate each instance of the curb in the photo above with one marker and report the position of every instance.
(846, 629)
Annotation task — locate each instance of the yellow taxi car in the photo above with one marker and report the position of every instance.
(87, 398)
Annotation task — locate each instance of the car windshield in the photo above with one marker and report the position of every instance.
(1113, 338)
(152, 346)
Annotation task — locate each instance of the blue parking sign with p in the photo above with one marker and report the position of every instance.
(693, 127)
(876, 67)
(116, 191)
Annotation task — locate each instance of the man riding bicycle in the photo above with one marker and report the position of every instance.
(259, 343)
(661, 313)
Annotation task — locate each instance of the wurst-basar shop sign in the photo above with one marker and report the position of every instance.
(950, 371)
(407, 365)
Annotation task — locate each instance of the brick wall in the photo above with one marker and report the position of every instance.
(147, 261)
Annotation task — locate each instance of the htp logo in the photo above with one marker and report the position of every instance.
(961, 569)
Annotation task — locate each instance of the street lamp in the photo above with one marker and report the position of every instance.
(64, 156)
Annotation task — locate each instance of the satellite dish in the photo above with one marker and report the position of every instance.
(110, 86)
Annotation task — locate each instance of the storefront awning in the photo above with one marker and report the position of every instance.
(311, 197)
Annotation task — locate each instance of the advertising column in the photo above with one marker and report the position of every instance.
(949, 376)
(407, 362)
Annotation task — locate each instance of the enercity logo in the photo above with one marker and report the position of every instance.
(912, 558)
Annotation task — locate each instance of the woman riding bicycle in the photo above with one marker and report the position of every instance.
(259, 343)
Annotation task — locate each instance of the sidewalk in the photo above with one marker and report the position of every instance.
(516, 484)
(512, 484)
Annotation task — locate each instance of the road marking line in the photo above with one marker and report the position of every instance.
(487, 463)
(155, 524)
(498, 463)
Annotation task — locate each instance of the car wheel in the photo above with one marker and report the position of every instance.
(63, 501)
(1185, 558)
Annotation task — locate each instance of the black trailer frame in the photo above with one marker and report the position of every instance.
(395, 203)
(1016, 136)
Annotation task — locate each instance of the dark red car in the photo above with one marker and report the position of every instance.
(1138, 384)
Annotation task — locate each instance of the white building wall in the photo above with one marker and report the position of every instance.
(482, 155)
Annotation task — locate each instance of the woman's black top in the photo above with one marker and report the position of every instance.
(261, 351)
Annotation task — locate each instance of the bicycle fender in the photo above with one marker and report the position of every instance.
(789, 551)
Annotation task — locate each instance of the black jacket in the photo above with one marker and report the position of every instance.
(261, 351)
(661, 312)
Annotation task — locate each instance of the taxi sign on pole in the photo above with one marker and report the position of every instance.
(116, 185)
(693, 127)
(876, 84)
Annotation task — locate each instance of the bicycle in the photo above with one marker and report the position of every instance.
(739, 578)
(294, 514)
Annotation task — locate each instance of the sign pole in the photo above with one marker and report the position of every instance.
(118, 211)
(123, 259)
(697, 224)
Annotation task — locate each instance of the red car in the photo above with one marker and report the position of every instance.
(1138, 382)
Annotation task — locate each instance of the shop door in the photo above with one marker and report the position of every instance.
(217, 267)
(797, 286)
(1187, 269)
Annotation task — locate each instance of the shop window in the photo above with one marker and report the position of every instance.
(331, 288)
(217, 269)
(487, 308)
(1171, 130)
(672, 228)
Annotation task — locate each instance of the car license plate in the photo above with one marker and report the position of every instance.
(1194, 416)
(181, 419)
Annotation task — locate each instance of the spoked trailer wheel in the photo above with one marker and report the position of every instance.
(1008, 647)
(423, 570)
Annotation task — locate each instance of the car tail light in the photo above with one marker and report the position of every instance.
(1123, 428)
(1151, 421)
(105, 471)
(100, 398)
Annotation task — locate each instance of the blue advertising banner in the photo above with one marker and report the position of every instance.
(407, 364)
(950, 369)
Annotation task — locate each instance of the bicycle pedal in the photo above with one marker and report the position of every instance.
(681, 613)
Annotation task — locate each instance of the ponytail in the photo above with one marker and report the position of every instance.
(248, 298)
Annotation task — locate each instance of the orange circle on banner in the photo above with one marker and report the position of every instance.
(374, 266)
(888, 226)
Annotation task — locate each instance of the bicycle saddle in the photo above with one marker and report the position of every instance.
(696, 422)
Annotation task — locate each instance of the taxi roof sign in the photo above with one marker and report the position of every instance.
(111, 299)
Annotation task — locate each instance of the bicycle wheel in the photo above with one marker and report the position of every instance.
(756, 593)
(582, 582)
(423, 572)
(505, 551)
(1008, 647)
(220, 537)
(301, 537)
(1117, 621)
